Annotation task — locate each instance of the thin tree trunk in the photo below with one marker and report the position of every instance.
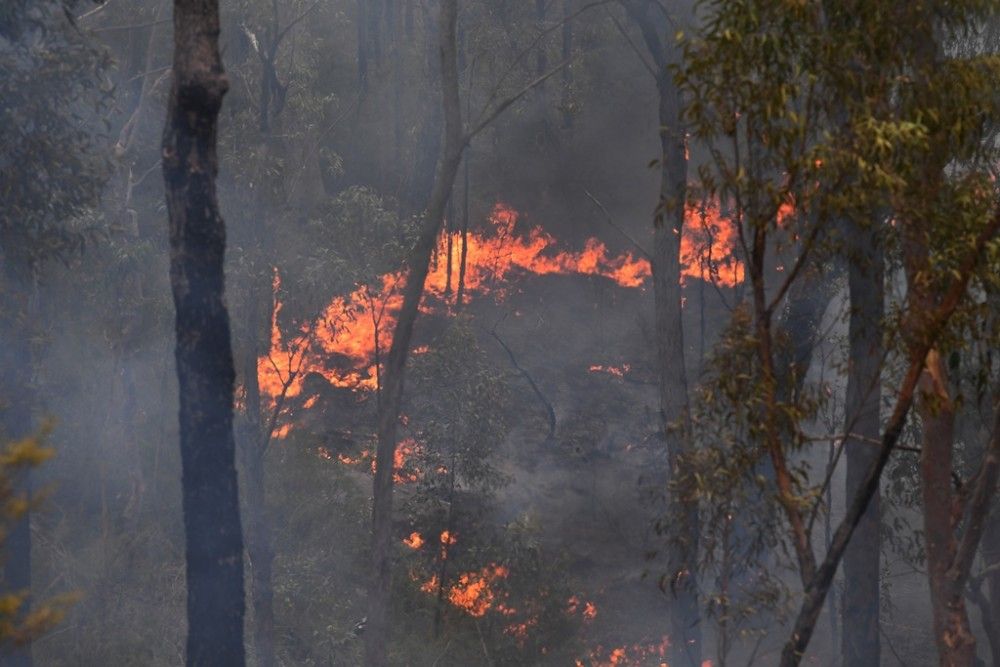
(926, 324)
(860, 612)
(377, 637)
(205, 372)
(674, 407)
(253, 446)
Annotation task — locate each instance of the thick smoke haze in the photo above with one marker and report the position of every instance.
(556, 500)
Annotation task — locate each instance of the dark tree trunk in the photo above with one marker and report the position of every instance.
(377, 636)
(428, 145)
(205, 373)
(991, 559)
(860, 612)
(16, 421)
(362, 36)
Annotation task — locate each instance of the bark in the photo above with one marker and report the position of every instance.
(377, 636)
(16, 422)
(203, 353)
(860, 643)
(953, 526)
(673, 399)
(956, 645)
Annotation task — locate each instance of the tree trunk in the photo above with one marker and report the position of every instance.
(955, 642)
(666, 268)
(377, 636)
(16, 421)
(926, 323)
(860, 612)
(991, 559)
(205, 373)
(253, 446)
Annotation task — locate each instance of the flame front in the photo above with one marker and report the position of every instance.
(346, 342)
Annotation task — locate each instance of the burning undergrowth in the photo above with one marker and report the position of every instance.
(473, 532)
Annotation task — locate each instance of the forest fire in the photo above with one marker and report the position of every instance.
(346, 342)
(414, 540)
(473, 592)
(586, 608)
(616, 371)
(635, 654)
(708, 247)
(403, 471)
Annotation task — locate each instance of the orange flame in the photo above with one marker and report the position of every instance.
(403, 473)
(636, 654)
(472, 592)
(414, 541)
(346, 342)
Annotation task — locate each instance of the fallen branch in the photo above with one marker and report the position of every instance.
(550, 411)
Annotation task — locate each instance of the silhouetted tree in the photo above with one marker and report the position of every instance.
(213, 535)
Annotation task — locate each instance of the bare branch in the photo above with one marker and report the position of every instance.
(503, 106)
(534, 387)
(615, 226)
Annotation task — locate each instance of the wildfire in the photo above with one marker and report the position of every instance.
(346, 342)
(414, 541)
(636, 654)
(473, 593)
(617, 371)
(708, 247)
(403, 471)
(587, 609)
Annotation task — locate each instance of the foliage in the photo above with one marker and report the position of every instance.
(53, 89)
(815, 114)
(17, 459)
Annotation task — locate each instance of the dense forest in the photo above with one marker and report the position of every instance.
(580, 333)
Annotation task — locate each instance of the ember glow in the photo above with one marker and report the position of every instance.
(627, 656)
(617, 371)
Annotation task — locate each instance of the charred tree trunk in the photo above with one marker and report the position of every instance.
(860, 612)
(16, 422)
(205, 372)
(378, 635)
